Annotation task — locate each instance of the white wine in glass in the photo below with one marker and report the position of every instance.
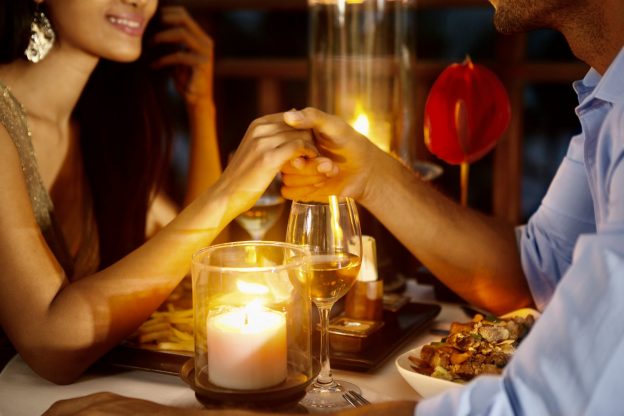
(330, 233)
(332, 275)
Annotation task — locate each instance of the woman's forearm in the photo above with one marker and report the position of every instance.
(205, 161)
(107, 306)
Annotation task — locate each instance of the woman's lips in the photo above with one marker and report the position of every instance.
(131, 25)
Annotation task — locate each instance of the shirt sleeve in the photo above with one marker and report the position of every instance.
(548, 239)
(612, 164)
(571, 362)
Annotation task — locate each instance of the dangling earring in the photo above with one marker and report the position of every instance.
(41, 37)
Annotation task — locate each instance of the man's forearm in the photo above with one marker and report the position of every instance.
(475, 255)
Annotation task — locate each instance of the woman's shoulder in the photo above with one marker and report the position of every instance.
(11, 167)
(14, 136)
(12, 114)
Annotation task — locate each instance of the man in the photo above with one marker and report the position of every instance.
(568, 260)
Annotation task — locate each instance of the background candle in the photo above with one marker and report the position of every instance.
(247, 348)
(375, 129)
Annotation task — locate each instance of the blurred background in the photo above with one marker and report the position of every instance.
(261, 66)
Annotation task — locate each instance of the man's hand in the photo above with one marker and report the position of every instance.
(347, 160)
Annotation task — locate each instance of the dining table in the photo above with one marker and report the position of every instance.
(22, 392)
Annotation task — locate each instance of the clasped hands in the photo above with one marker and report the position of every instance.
(318, 154)
(344, 165)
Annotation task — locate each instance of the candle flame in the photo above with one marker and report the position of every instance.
(362, 125)
(254, 306)
(251, 309)
(250, 288)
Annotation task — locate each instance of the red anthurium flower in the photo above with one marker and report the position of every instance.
(466, 113)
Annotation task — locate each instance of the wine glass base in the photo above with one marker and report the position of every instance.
(329, 397)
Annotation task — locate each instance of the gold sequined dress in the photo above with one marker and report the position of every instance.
(86, 259)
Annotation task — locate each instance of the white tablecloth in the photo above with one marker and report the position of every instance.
(22, 392)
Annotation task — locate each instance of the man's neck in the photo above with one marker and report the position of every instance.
(597, 35)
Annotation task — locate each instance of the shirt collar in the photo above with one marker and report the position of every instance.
(609, 87)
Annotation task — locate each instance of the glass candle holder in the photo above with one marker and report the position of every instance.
(360, 57)
(251, 303)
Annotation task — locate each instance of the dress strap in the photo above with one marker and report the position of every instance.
(13, 118)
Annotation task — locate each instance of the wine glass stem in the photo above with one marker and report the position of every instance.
(325, 375)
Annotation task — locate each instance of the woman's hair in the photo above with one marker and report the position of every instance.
(15, 19)
(125, 138)
(125, 134)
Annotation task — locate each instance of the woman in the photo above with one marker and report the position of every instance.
(81, 132)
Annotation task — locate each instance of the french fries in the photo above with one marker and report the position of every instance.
(171, 328)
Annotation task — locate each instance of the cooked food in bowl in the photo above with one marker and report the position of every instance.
(482, 346)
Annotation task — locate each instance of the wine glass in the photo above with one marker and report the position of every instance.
(262, 216)
(330, 231)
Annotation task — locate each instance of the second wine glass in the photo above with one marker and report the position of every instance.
(266, 211)
(330, 232)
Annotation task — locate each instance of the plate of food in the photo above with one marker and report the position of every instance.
(481, 346)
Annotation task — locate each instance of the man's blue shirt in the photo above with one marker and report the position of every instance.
(572, 249)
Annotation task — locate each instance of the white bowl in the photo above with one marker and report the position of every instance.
(522, 313)
(426, 386)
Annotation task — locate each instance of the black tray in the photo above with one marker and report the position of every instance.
(135, 358)
(398, 328)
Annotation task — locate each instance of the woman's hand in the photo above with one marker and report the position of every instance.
(347, 159)
(268, 145)
(194, 61)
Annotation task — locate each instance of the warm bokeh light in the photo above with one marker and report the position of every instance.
(362, 125)
(376, 130)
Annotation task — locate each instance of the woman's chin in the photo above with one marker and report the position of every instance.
(124, 56)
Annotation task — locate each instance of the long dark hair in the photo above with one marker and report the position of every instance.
(125, 134)
(15, 18)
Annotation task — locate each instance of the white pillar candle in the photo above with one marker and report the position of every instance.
(247, 348)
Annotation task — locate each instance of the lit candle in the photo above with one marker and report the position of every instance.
(247, 348)
(377, 131)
